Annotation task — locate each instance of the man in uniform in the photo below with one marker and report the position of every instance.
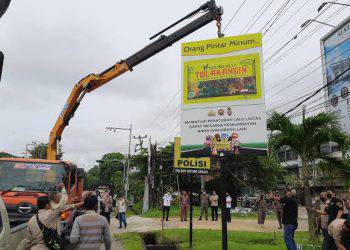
(48, 218)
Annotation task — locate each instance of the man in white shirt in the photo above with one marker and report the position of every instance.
(228, 207)
(166, 205)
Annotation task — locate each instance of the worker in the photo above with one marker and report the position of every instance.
(122, 203)
(184, 204)
(44, 221)
(204, 205)
(55, 199)
(90, 228)
(214, 203)
(107, 206)
(167, 198)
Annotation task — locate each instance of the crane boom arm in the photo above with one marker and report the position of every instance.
(94, 81)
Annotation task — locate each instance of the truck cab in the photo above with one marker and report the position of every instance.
(22, 181)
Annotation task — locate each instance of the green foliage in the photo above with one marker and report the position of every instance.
(109, 171)
(40, 151)
(306, 139)
(211, 239)
(6, 155)
(130, 241)
(92, 178)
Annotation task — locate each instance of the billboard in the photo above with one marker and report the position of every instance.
(223, 103)
(335, 47)
(189, 165)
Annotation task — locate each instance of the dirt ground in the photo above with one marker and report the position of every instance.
(141, 224)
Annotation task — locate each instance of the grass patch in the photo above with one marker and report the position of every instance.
(211, 239)
(130, 241)
(175, 212)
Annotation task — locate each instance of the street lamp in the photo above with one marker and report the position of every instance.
(325, 3)
(316, 21)
(114, 129)
(27, 148)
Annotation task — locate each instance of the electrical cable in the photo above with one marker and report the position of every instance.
(262, 13)
(289, 30)
(269, 66)
(234, 15)
(165, 107)
(296, 36)
(279, 13)
(317, 91)
(286, 21)
(252, 19)
(309, 63)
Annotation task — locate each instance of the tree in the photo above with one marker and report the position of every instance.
(92, 178)
(6, 155)
(111, 171)
(40, 151)
(306, 139)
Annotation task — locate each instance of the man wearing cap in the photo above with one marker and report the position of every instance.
(89, 228)
(289, 216)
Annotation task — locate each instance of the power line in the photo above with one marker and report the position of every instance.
(308, 64)
(165, 107)
(286, 21)
(234, 15)
(256, 14)
(262, 13)
(317, 91)
(300, 42)
(293, 38)
(278, 15)
(291, 101)
(289, 30)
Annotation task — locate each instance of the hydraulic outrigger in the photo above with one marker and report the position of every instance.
(94, 81)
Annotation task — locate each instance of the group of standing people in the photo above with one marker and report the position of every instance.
(88, 231)
(206, 200)
(90, 227)
(334, 220)
(105, 205)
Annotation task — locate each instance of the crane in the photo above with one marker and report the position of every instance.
(94, 81)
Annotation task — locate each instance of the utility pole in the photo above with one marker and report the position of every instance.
(145, 206)
(126, 171)
(152, 174)
(138, 147)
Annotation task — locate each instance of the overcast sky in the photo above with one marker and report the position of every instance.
(50, 45)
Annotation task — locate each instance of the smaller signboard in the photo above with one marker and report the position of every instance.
(189, 165)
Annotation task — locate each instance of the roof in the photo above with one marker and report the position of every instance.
(36, 160)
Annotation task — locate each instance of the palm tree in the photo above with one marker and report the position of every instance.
(306, 139)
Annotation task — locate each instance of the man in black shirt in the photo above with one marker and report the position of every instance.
(334, 210)
(289, 217)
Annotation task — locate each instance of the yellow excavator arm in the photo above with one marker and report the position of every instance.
(93, 81)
